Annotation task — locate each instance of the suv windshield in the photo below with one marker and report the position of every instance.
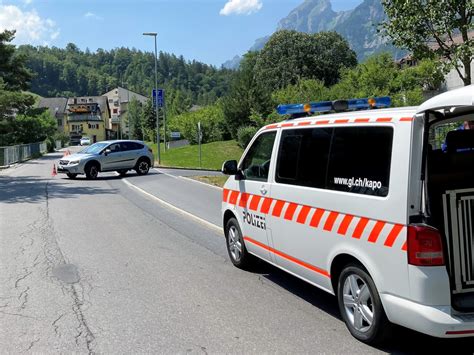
(94, 148)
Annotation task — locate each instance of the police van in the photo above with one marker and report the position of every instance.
(372, 204)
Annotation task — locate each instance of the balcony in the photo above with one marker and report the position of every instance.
(84, 118)
(115, 120)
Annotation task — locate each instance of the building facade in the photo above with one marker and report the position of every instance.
(57, 109)
(87, 116)
(118, 100)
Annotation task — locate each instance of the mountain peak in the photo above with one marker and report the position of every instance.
(310, 16)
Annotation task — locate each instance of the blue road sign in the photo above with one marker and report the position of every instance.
(161, 97)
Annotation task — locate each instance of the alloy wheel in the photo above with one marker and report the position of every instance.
(358, 303)
(235, 245)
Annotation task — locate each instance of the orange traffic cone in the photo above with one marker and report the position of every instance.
(54, 173)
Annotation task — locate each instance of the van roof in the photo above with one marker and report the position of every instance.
(376, 115)
(458, 98)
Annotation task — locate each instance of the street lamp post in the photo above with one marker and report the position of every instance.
(154, 34)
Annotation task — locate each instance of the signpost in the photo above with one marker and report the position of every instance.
(159, 101)
(199, 141)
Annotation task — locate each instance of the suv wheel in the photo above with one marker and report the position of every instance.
(92, 171)
(235, 246)
(360, 305)
(142, 167)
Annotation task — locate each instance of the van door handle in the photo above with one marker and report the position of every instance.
(263, 190)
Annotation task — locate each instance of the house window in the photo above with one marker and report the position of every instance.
(115, 111)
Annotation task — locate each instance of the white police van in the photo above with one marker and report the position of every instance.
(374, 206)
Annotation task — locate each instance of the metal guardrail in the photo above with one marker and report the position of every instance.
(18, 153)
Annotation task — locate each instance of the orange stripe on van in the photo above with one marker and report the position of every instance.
(330, 221)
(345, 224)
(374, 235)
(361, 120)
(287, 125)
(306, 123)
(225, 194)
(404, 247)
(244, 197)
(406, 119)
(254, 202)
(341, 121)
(272, 126)
(278, 208)
(234, 195)
(290, 211)
(360, 228)
(318, 214)
(322, 122)
(288, 257)
(384, 119)
(392, 236)
(303, 214)
(266, 205)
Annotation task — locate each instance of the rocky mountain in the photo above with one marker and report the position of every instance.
(358, 26)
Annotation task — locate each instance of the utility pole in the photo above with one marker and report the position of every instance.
(154, 34)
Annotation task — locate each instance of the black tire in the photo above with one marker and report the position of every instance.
(235, 244)
(92, 171)
(122, 172)
(71, 175)
(364, 304)
(143, 166)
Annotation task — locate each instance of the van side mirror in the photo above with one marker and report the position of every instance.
(229, 167)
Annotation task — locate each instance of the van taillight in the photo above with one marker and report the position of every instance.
(424, 246)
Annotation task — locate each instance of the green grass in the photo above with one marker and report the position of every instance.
(212, 180)
(213, 155)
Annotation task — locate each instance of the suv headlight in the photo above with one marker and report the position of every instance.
(74, 162)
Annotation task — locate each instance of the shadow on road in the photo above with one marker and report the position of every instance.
(33, 189)
(403, 341)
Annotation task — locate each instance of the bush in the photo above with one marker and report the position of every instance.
(50, 144)
(245, 135)
(212, 124)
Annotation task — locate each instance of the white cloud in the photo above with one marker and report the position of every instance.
(27, 2)
(91, 15)
(241, 7)
(30, 27)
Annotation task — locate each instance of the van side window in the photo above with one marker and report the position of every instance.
(360, 160)
(303, 157)
(256, 163)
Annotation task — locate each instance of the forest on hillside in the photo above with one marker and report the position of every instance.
(72, 72)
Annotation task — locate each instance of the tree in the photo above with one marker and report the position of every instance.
(135, 119)
(246, 95)
(290, 56)
(13, 71)
(428, 29)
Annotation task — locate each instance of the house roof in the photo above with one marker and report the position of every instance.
(55, 105)
(125, 95)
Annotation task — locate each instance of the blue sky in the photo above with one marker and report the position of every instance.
(211, 31)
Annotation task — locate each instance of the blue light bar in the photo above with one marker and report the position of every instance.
(328, 106)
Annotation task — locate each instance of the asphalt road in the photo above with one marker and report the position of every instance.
(101, 267)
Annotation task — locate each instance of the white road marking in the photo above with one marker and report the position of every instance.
(186, 213)
(161, 172)
(199, 182)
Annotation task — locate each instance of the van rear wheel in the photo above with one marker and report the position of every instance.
(238, 253)
(361, 307)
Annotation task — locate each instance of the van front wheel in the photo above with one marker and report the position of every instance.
(360, 305)
(235, 246)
